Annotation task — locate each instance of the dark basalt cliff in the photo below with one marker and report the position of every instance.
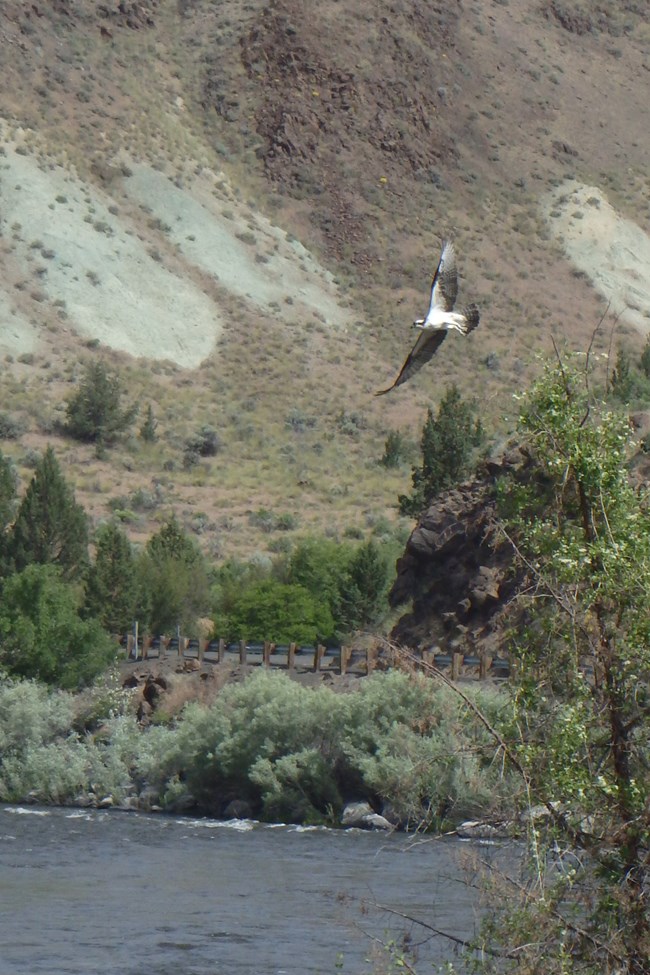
(458, 568)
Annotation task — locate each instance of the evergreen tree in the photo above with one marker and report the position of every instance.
(365, 593)
(148, 429)
(629, 381)
(173, 542)
(174, 577)
(94, 413)
(447, 446)
(50, 526)
(7, 507)
(394, 449)
(645, 359)
(622, 376)
(112, 584)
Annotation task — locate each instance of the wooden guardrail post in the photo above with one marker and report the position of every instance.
(318, 657)
(221, 651)
(371, 659)
(202, 645)
(146, 643)
(343, 659)
(242, 652)
(456, 665)
(291, 656)
(266, 653)
(484, 666)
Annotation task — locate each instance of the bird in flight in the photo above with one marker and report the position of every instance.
(440, 318)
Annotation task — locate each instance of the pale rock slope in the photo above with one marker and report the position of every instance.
(147, 267)
(612, 251)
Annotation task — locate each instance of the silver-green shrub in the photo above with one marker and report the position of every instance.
(299, 753)
(43, 758)
(292, 752)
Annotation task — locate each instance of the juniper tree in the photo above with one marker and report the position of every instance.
(148, 429)
(50, 526)
(175, 587)
(364, 595)
(94, 412)
(112, 585)
(448, 444)
(394, 449)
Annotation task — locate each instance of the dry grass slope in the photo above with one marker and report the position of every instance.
(405, 122)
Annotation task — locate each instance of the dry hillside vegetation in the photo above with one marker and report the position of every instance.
(238, 205)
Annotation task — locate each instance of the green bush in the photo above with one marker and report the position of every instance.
(42, 635)
(280, 612)
(206, 442)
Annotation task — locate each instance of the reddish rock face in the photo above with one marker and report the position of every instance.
(458, 568)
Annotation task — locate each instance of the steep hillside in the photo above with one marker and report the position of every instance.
(238, 205)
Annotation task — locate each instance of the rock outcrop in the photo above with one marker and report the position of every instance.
(458, 568)
(361, 815)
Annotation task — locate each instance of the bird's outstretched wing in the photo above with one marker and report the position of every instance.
(428, 343)
(444, 286)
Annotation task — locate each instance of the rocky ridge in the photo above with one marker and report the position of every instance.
(458, 567)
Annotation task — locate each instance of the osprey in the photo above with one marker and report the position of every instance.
(440, 317)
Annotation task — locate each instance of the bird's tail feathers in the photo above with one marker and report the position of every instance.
(472, 318)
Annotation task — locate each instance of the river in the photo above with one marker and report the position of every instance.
(86, 892)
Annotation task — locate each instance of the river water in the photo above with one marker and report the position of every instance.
(85, 892)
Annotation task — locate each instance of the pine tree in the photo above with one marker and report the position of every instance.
(174, 579)
(447, 446)
(394, 449)
(94, 413)
(112, 585)
(172, 541)
(148, 429)
(365, 593)
(50, 526)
